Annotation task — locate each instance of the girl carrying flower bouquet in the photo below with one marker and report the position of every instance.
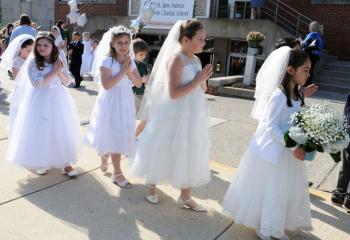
(270, 190)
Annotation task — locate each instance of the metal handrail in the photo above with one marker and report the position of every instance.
(295, 23)
(300, 26)
(290, 8)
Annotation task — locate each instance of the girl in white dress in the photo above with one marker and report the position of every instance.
(61, 45)
(87, 57)
(174, 145)
(13, 59)
(16, 53)
(46, 130)
(270, 190)
(112, 123)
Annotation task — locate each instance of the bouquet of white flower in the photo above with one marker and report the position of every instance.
(318, 128)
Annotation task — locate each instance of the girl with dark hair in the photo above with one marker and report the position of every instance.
(25, 49)
(174, 144)
(13, 59)
(270, 190)
(45, 133)
(64, 31)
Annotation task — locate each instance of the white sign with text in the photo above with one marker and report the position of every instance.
(167, 12)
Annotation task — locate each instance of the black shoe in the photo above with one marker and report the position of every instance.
(76, 86)
(346, 203)
(311, 184)
(338, 197)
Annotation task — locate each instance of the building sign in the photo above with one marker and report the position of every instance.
(200, 8)
(167, 12)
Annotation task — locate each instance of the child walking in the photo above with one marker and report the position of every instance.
(174, 145)
(87, 55)
(141, 50)
(112, 124)
(16, 53)
(46, 131)
(270, 190)
(13, 59)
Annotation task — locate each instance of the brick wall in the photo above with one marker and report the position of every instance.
(120, 8)
(336, 21)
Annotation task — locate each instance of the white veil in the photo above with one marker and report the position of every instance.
(58, 39)
(12, 51)
(103, 49)
(268, 79)
(58, 42)
(157, 85)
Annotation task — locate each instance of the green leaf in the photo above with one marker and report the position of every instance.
(289, 142)
(336, 156)
(319, 148)
(309, 146)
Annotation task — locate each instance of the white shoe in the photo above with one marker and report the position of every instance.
(123, 184)
(183, 204)
(71, 174)
(41, 171)
(153, 199)
(261, 236)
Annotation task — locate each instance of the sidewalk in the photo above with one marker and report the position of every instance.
(91, 207)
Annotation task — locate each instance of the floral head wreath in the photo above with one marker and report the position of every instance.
(120, 30)
(46, 35)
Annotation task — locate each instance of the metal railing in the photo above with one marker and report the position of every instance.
(280, 13)
(287, 17)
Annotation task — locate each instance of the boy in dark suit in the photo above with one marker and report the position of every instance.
(340, 195)
(75, 51)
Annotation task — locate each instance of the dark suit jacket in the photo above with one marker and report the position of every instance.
(347, 116)
(78, 50)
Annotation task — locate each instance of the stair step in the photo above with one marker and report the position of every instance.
(340, 68)
(338, 64)
(334, 88)
(343, 62)
(334, 82)
(331, 79)
(336, 74)
(331, 58)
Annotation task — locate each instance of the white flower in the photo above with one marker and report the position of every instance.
(297, 134)
(322, 125)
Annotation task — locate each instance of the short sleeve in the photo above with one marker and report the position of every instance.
(198, 60)
(133, 65)
(35, 75)
(107, 62)
(17, 63)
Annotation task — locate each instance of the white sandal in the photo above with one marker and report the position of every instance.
(123, 184)
(153, 199)
(183, 204)
(41, 171)
(72, 174)
(104, 165)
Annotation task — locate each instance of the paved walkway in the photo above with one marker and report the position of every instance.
(91, 207)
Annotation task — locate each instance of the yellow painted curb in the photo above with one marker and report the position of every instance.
(232, 170)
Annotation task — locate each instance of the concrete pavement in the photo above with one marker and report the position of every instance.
(91, 207)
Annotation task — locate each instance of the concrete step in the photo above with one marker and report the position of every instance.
(331, 58)
(332, 73)
(341, 81)
(336, 67)
(331, 87)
